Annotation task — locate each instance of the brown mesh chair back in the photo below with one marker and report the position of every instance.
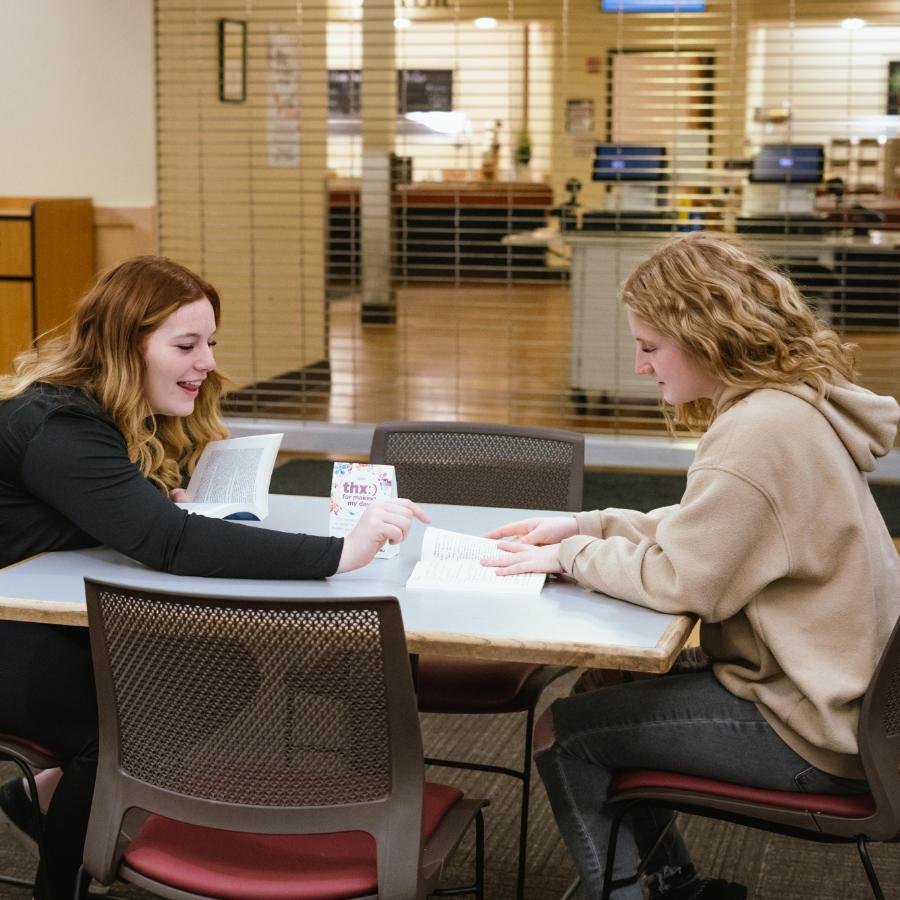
(259, 715)
(483, 465)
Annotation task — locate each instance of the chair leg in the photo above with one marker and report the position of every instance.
(870, 869)
(28, 775)
(526, 797)
(35, 803)
(479, 856)
(524, 775)
(16, 882)
(82, 882)
(476, 888)
(608, 883)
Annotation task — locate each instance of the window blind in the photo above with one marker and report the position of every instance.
(425, 209)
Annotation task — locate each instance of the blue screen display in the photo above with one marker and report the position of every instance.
(662, 6)
(628, 162)
(789, 163)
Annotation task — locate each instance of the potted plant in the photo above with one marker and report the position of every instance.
(523, 152)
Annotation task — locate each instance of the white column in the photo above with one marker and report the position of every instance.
(378, 97)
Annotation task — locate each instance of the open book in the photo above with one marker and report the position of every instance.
(231, 479)
(452, 561)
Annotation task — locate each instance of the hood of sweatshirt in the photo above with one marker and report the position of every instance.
(865, 422)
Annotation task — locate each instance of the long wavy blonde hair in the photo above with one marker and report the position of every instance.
(102, 352)
(730, 309)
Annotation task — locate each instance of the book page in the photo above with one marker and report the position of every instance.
(440, 544)
(236, 472)
(452, 561)
(229, 476)
(470, 575)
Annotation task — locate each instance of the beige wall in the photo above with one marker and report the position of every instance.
(77, 100)
(121, 232)
(78, 113)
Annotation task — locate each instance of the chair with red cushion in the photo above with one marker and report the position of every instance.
(858, 818)
(485, 465)
(264, 748)
(27, 755)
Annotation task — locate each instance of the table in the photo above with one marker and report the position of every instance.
(563, 625)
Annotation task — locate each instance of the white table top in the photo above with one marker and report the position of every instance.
(564, 624)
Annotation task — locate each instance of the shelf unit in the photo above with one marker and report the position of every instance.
(46, 263)
(860, 163)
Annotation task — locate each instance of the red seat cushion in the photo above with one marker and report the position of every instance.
(37, 754)
(853, 806)
(235, 865)
(448, 684)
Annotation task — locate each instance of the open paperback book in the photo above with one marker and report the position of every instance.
(452, 561)
(231, 479)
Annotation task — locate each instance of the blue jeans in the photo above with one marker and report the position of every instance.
(685, 723)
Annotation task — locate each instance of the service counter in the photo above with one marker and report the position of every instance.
(854, 282)
(445, 231)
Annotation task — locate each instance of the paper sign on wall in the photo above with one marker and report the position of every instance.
(353, 487)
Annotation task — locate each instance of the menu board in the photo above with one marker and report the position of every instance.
(343, 92)
(425, 90)
(418, 90)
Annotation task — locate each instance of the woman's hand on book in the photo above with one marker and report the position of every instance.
(179, 495)
(542, 530)
(383, 520)
(526, 558)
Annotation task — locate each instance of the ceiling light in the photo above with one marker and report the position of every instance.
(485, 22)
(853, 24)
(402, 22)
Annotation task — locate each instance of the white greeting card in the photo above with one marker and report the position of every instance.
(353, 487)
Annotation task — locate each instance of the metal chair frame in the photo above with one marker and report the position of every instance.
(27, 757)
(798, 815)
(502, 448)
(285, 653)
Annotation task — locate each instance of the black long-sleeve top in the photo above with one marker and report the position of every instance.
(66, 482)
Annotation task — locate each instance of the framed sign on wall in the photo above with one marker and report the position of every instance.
(232, 61)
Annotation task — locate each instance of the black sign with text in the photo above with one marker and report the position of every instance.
(418, 90)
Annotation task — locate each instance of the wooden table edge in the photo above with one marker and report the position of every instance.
(657, 659)
(47, 612)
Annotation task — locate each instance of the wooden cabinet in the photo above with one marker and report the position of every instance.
(46, 263)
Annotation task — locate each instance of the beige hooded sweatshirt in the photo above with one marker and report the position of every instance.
(779, 548)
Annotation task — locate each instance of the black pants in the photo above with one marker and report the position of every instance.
(47, 695)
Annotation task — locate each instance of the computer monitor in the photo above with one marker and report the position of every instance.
(629, 162)
(789, 164)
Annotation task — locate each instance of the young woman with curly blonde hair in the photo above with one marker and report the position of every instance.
(776, 545)
(98, 428)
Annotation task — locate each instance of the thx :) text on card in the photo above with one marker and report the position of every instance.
(353, 487)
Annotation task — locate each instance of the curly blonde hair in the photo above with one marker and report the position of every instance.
(737, 316)
(102, 352)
